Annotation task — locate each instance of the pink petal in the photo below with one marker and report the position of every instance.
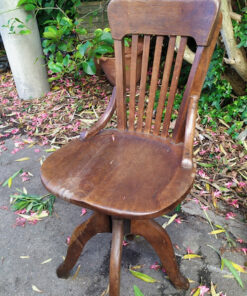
(155, 266)
(244, 250)
(68, 240)
(83, 212)
(203, 290)
(189, 251)
(125, 243)
(20, 222)
(178, 220)
(230, 215)
(37, 150)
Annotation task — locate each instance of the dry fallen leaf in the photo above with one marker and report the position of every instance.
(46, 261)
(36, 289)
(76, 273)
(23, 159)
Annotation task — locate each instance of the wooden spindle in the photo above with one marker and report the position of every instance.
(154, 81)
(141, 102)
(120, 83)
(133, 65)
(174, 83)
(164, 86)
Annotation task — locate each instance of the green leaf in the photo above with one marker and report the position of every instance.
(62, 46)
(98, 33)
(103, 49)
(66, 60)
(143, 276)
(29, 16)
(206, 165)
(137, 291)
(107, 37)
(83, 47)
(89, 67)
(12, 177)
(24, 32)
(51, 33)
(21, 2)
(29, 7)
(81, 31)
(55, 67)
(59, 57)
(234, 272)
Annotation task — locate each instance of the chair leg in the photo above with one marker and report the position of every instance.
(160, 241)
(97, 223)
(116, 256)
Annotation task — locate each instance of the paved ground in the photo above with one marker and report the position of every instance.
(47, 240)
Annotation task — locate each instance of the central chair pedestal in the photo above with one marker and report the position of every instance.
(149, 229)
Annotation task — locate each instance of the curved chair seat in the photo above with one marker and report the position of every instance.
(123, 174)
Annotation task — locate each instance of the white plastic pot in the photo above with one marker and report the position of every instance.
(24, 53)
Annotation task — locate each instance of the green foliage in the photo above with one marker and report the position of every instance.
(32, 202)
(217, 101)
(240, 29)
(16, 26)
(137, 291)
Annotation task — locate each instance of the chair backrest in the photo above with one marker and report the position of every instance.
(161, 19)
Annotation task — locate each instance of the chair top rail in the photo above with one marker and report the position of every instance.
(194, 18)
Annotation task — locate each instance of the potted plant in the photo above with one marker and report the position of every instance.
(101, 49)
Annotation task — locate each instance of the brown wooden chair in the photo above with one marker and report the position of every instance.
(142, 169)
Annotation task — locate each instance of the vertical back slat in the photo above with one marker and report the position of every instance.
(164, 86)
(133, 64)
(145, 56)
(187, 93)
(120, 84)
(174, 83)
(154, 81)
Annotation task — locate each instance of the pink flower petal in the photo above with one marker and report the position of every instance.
(125, 243)
(68, 240)
(189, 251)
(244, 250)
(155, 266)
(83, 212)
(20, 222)
(239, 240)
(230, 215)
(203, 290)
(178, 220)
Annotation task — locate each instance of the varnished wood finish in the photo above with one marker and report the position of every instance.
(120, 173)
(174, 84)
(116, 255)
(134, 47)
(183, 18)
(97, 223)
(141, 102)
(138, 171)
(153, 85)
(198, 80)
(165, 81)
(160, 241)
(120, 84)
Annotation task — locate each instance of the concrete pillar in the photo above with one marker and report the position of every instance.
(24, 53)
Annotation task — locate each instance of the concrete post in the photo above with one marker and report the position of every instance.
(24, 53)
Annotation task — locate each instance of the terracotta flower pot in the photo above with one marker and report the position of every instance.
(108, 65)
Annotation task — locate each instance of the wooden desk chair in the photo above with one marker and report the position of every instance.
(140, 170)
